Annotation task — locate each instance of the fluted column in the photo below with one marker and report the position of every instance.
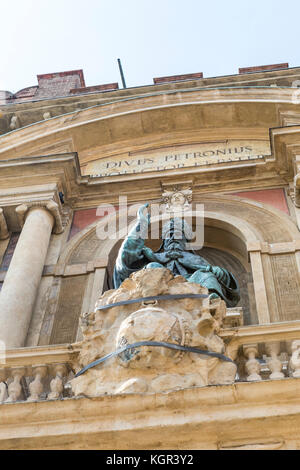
(22, 280)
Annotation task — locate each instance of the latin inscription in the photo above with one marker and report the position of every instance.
(159, 162)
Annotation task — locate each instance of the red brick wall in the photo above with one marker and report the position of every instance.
(105, 87)
(263, 68)
(273, 197)
(51, 85)
(178, 78)
(59, 84)
(83, 218)
(68, 73)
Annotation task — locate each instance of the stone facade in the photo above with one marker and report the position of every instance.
(226, 144)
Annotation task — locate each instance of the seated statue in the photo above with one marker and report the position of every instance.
(134, 255)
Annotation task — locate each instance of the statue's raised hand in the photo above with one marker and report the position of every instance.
(219, 273)
(205, 268)
(141, 230)
(142, 218)
(216, 270)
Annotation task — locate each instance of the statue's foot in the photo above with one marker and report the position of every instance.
(154, 265)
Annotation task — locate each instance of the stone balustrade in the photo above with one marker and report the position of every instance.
(265, 352)
(34, 374)
(262, 352)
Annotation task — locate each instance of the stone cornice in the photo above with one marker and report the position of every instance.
(14, 142)
(30, 194)
(263, 78)
(74, 130)
(21, 180)
(29, 176)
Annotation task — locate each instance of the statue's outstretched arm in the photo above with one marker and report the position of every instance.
(131, 251)
(149, 254)
(140, 229)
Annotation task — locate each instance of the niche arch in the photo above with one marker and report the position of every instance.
(234, 227)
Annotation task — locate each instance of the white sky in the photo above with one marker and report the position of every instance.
(152, 37)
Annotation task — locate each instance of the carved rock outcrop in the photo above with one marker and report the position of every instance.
(191, 322)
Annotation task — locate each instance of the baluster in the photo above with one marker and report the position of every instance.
(3, 393)
(275, 365)
(295, 359)
(56, 384)
(252, 365)
(36, 387)
(3, 388)
(15, 388)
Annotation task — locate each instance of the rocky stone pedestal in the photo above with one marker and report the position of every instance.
(147, 369)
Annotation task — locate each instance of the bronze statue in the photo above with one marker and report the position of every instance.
(134, 255)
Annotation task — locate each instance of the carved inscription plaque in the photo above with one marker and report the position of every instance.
(195, 155)
(287, 287)
(69, 309)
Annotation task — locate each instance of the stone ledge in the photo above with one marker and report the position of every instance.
(274, 248)
(73, 269)
(211, 417)
(50, 354)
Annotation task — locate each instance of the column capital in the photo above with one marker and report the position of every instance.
(294, 191)
(295, 196)
(49, 205)
(3, 226)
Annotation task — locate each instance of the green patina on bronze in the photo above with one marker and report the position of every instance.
(134, 255)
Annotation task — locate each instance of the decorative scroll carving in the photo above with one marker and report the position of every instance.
(296, 192)
(14, 122)
(3, 226)
(47, 115)
(50, 205)
(295, 359)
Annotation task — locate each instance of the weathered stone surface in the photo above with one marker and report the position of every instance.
(149, 369)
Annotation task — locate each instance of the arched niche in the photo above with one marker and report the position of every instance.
(232, 225)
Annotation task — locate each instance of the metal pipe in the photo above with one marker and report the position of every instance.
(121, 73)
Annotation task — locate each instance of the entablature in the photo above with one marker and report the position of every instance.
(192, 124)
(23, 113)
